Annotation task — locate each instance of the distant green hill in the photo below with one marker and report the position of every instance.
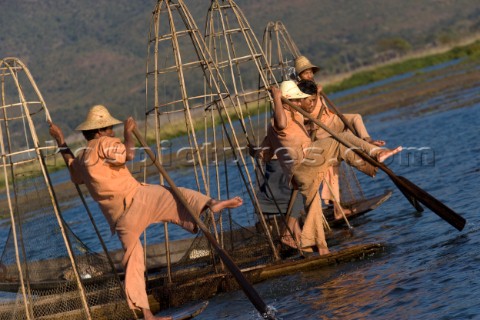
(87, 52)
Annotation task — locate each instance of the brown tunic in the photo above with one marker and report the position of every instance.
(101, 167)
(333, 122)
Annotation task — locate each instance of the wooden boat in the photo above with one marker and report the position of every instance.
(195, 283)
(358, 208)
(192, 288)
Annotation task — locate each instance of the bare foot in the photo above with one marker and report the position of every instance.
(338, 214)
(322, 251)
(315, 249)
(219, 205)
(307, 249)
(288, 240)
(384, 154)
(148, 315)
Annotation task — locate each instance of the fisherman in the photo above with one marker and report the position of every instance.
(128, 205)
(305, 71)
(329, 193)
(305, 162)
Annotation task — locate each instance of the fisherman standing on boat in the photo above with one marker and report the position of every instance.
(306, 162)
(129, 206)
(305, 71)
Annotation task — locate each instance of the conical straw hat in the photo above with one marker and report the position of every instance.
(290, 90)
(302, 64)
(98, 117)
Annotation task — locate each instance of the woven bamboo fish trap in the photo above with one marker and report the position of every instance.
(280, 50)
(242, 62)
(46, 271)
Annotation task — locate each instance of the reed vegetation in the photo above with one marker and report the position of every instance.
(467, 52)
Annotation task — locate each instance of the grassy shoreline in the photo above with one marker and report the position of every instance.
(407, 64)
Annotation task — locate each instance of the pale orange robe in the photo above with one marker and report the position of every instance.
(310, 175)
(333, 122)
(288, 145)
(101, 167)
(151, 204)
(130, 207)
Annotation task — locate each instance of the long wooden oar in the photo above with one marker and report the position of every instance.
(411, 199)
(238, 275)
(408, 188)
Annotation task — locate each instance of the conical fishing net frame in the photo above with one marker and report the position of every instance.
(47, 272)
(241, 61)
(280, 51)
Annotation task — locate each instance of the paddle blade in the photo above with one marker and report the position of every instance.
(433, 204)
(410, 198)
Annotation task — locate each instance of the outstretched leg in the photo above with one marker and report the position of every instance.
(356, 122)
(219, 205)
(354, 160)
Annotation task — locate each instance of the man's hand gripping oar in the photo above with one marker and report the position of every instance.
(408, 188)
